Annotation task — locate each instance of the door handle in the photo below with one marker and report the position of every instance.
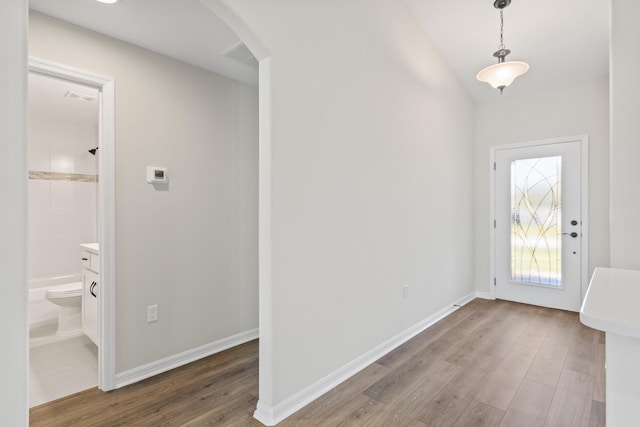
(572, 234)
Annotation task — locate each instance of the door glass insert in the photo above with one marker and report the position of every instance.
(536, 243)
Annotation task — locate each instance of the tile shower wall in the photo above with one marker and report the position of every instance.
(62, 195)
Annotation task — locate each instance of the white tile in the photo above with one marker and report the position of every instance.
(86, 219)
(64, 256)
(86, 162)
(39, 207)
(62, 162)
(62, 194)
(63, 222)
(62, 368)
(89, 351)
(37, 394)
(39, 151)
(55, 357)
(53, 256)
(64, 383)
(41, 265)
(39, 194)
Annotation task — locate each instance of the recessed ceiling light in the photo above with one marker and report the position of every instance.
(108, 1)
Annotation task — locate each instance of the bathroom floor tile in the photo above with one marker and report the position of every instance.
(62, 368)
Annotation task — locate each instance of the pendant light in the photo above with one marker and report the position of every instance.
(503, 73)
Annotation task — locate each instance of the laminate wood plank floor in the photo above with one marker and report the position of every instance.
(490, 363)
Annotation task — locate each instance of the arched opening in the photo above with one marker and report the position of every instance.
(154, 150)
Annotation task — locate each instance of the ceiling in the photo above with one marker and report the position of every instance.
(563, 41)
(60, 100)
(181, 29)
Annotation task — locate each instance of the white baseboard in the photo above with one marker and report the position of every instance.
(43, 321)
(271, 416)
(485, 295)
(163, 365)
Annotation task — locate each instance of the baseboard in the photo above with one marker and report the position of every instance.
(485, 295)
(43, 321)
(271, 416)
(163, 365)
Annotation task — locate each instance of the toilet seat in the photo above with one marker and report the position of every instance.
(63, 291)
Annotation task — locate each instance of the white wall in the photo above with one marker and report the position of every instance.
(13, 213)
(625, 135)
(582, 108)
(62, 212)
(371, 164)
(190, 247)
(13, 397)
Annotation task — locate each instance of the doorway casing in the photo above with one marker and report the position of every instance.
(106, 208)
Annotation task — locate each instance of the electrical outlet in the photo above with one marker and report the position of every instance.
(405, 292)
(152, 313)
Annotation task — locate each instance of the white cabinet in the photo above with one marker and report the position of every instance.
(611, 305)
(90, 305)
(91, 291)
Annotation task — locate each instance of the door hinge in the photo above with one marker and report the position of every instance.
(494, 281)
(494, 165)
(494, 223)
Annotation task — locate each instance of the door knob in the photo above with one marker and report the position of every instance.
(574, 222)
(572, 234)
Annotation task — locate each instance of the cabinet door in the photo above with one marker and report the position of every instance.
(90, 305)
(95, 262)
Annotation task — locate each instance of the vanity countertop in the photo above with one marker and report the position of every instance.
(612, 302)
(91, 247)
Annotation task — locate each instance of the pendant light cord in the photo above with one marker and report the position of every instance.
(502, 46)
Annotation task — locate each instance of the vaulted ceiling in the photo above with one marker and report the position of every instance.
(563, 41)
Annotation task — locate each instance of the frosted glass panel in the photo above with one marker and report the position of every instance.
(536, 244)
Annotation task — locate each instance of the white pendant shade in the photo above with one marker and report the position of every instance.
(502, 74)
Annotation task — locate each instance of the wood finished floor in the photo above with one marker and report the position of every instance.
(490, 363)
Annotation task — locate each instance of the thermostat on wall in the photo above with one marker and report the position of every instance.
(156, 175)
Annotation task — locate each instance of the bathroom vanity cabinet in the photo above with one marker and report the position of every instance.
(91, 290)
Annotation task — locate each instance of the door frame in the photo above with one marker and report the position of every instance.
(106, 208)
(584, 205)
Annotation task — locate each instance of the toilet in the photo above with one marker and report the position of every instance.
(69, 298)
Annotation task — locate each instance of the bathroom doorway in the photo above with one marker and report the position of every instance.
(63, 199)
(70, 151)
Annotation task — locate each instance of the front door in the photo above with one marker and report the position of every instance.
(539, 224)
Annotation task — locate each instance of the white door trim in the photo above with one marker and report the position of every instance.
(584, 178)
(106, 202)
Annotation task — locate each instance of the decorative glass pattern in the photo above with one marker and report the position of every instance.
(536, 234)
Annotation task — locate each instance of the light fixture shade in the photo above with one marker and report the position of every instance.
(502, 74)
(108, 1)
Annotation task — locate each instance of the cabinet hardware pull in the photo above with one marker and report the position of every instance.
(85, 259)
(93, 285)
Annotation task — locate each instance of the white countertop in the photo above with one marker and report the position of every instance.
(92, 247)
(612, 303)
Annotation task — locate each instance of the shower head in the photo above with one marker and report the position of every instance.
(93, 150)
